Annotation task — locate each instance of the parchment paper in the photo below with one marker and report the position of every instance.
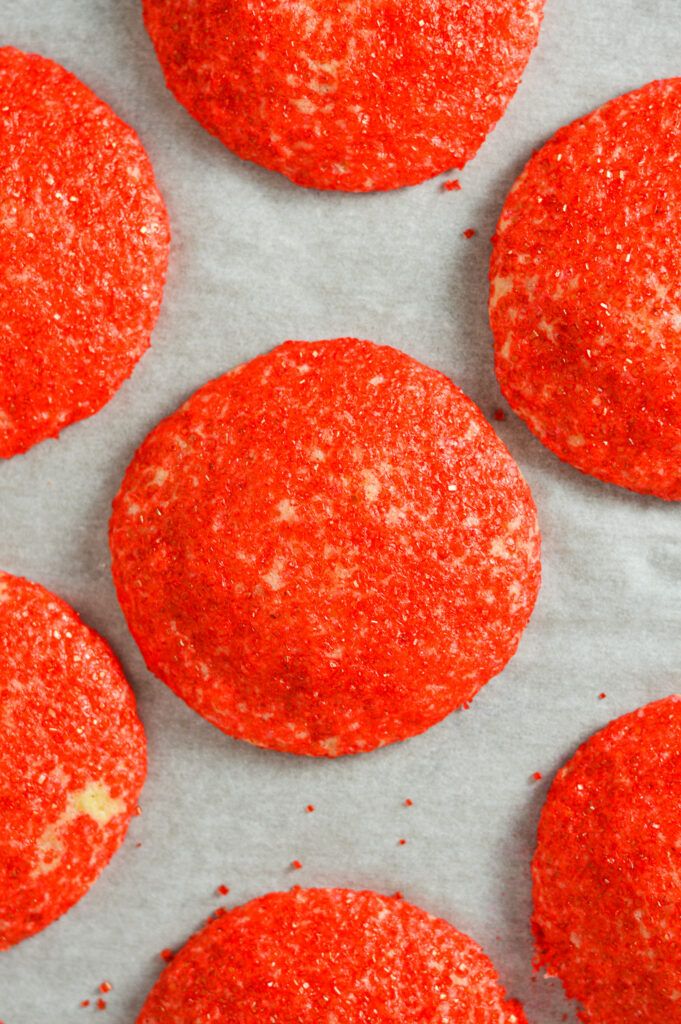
(256, 260)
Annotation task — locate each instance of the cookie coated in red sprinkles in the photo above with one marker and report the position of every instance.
(586, 291)
(607, 871)
(346, 95)
(319, 956)
(326, 550)
(72, 758)
(83, 250)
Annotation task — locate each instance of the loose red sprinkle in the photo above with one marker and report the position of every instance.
(469, 232)
(537, 776)
(398, 895)
(138, 810)
(452, 186)
(310, 807)
(167, 955)
(86, 1002)
(401, 842)
(101, 1004)
(106, 986)
(499, 414)
(602, 696)
(408, 802)
(223, 890)
(296, 864)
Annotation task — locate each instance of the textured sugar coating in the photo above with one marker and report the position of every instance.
(353, 96)
(318, 956)
(586, 292)
(83, 251)
(72, 758)
(326, 550)
(607, 871)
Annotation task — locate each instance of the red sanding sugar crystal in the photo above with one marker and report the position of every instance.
(586, 290)
(325, 550)
(319, 956)
(72, 757)
(83, 251)
(351, 96)
(607, 871)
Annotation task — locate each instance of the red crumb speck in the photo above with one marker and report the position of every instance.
(223, 890)
(106, 986)
(452, 186)
(408, 802)
(499, 414)
(398, 895)
(469, 232)
(401, 842)
(537, 776)
(86, 1002)
(101, 1004)
(310, 808)
(220, 912)
(138, 810)
(602, 696)
(167, 955)
(296, 865)
(137, 845)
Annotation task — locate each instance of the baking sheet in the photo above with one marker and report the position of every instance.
(256, 260)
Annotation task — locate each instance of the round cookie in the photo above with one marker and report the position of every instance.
(317, 956)
(72, 758)
(350, 96)
(586, 289)
(325, 550)
(83, 251)
(607, 871)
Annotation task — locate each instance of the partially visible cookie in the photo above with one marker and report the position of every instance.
(319, 956)
(607, 871)
(72, 757)
(350, 96)
(83, 250)
(326, 550)
(585, 298)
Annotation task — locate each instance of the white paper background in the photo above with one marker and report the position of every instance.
(256, 260)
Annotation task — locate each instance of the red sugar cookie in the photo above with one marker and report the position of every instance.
(607, 871)
(325, 550)
(351, 96)
(317, 956)
(586, 292)
(72, 758)
(83, 251)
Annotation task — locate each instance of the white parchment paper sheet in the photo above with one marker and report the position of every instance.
(256, 260)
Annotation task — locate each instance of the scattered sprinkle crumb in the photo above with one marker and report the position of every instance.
(469, 232)
(296, 865)
(537, 776)
(138, 810)
(101, 1004)
(398, 895)
(167, 955)
(219, 911)
(137, 845)
(408, 802)
(602, 696)
(401, 842)
(106, 986)
(499, 414)
(223, 890)
(452, 186)
(310, 808)
(86, 1002)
